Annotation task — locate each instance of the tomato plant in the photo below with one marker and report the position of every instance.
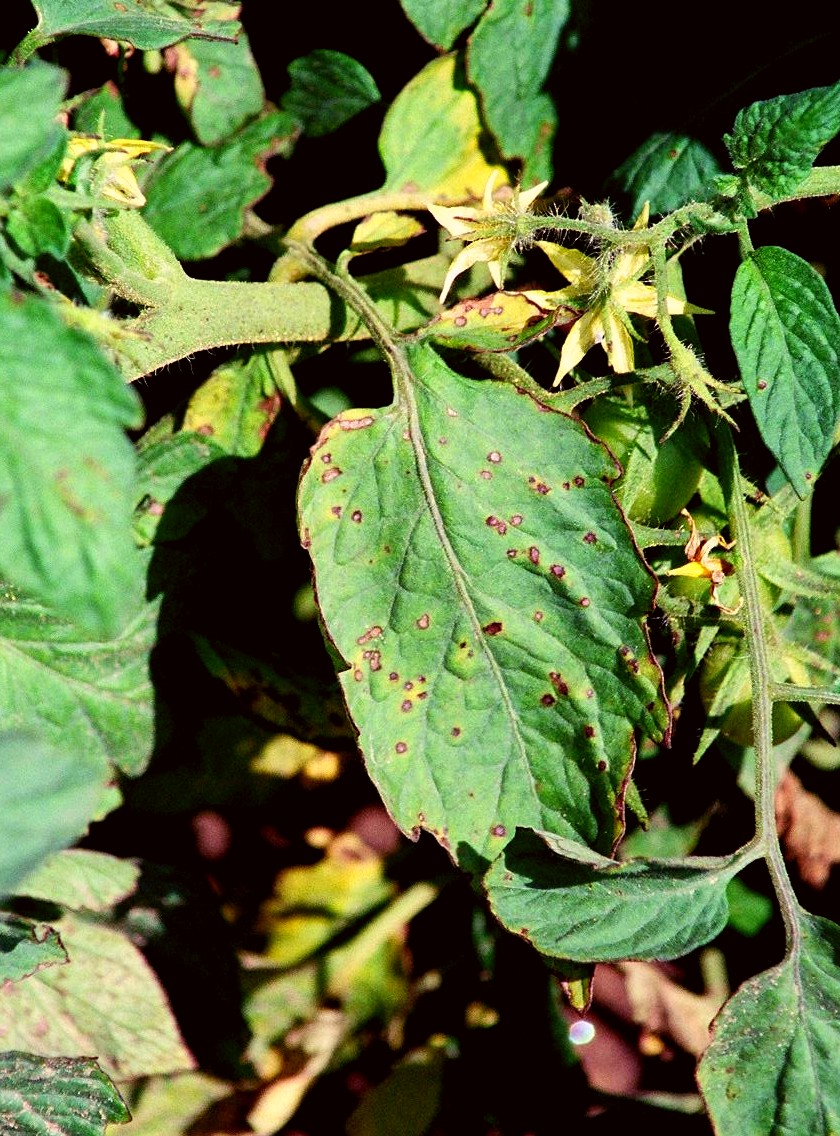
(419, 572)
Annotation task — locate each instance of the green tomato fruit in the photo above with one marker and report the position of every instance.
(658, 479)
(725, 693)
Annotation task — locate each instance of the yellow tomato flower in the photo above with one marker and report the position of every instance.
(111, 175)
(487, 241)
(609, 295)
(701, 565)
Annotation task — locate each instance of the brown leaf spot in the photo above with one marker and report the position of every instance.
(585, 601)
(557, 682)
(406, 705)
(356, 516)
(534, 554)
(494, 628)
(516, 519)
(539, 616)
(494, 456)
(498, 830)
(424, 621)
(330, 474)
(456, 731)
(408, 685)
(373, 633)
(589, 731)
(512, 553)
(557, 570)
(326, 458)
(401, 747)
(393, 676)
(336, 510)
(580, 481)
(485, 474)
(590, 538)
(356, 423)
(548, 700)
(539, 486)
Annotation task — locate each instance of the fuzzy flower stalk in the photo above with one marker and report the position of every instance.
(489, 232)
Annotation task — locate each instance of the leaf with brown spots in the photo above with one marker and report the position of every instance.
(513, 666)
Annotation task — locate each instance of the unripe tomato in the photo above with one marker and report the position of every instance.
(725, 693)
(658, 479)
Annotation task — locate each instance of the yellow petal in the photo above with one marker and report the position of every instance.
(638, 298)
(586, 333)
(618, 344)
(458, 221)
(579, 269)
(469, 255)
(525, 200)
(693, 569)
(641, 221)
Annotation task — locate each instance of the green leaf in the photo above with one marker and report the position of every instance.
(146, 24)
(66, 475)
(62, 1096)
(642, 909)
(774, 143)
(509, 56)
(219, 86)
(442, 21)
(47, 796)
(92, 700)
(36, 225)
(197, 197)
(81, 878)
(786, 335)
(106, 1001)
(163, 467)
(772, 1063)
(29, 103)
(328, 89)
(480, 583)
(667, 170)
(431, 137)
(104, 111)
(26, 946)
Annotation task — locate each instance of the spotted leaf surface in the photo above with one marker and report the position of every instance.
(480, 583)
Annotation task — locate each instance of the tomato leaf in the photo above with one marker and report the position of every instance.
(786, 335)
(488, 601)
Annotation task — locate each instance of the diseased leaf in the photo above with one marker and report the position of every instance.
(81, 878)
(92, 700)
(47, 798)
(500, 321)
(786, 335)
(642, 909)
(25, 947)
(65, 476)
(235, 406)
(59, 1096)
(772, 1063)
(480, 583)
(442, 21)
(29, 102)
(106, 1001)
(774, 143)
(667, 170)
(218, 85)
(145, 24)
(197, 197)
(327, 89)
(509, 56)
(431, 136)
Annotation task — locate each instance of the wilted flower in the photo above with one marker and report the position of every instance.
(487, 240)
(111, 175)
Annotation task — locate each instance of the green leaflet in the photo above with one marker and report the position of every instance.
(442, 21)
(667, 170)
(786, 335)
(146, 24)
(80, 878)
(784, 1024)
(63, 1096)
(328, 89)
(26, 137)
(66, 476)
(47, 798)
(774, 143)
(643, 909)
(197, 196)
(219, 87)
(480, 583)
(91, 700)
(509, 56)
(25, 947)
